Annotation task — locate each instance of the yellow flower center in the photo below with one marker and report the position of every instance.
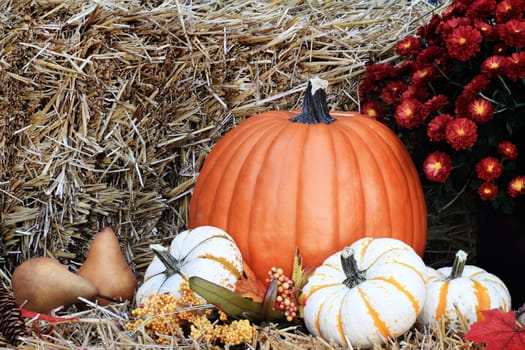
(437, 166)
(479, 109)
(519, 185)
(461, 132)
(490, 168)
(462, 41)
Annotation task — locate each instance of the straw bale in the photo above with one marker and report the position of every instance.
(108, 108)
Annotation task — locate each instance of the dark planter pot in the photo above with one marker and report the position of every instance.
(501, 248)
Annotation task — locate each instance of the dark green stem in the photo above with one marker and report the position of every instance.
(172, 264)
(315, 109)
(354, 276)
(459, 265)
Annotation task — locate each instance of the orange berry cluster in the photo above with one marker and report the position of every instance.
(163, 315)
(286, 300)
(234, 333)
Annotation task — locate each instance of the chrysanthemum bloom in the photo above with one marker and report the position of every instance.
(437, 126)
(517, 186)
(373, 109)
(481, 8)
(423, 75)
(464, 42)
(494, 65)
(489, 168)
(410, 45)
(488, 191)
(481, 110)
(461, 133)
(508, 150)
(516, 67)
(513, 33)
(409, 114)
(437, 166)
(507, 9)
(435, 103)
(391, 93)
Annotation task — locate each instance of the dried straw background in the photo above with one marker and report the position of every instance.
(108, 109)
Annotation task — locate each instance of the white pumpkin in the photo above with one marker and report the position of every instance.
(465, 288)
(206, 251)
(366, 293)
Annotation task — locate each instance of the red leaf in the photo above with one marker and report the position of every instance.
(499, 331)
(44, 317)
(249, 286)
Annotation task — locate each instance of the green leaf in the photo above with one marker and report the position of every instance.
(233, 304)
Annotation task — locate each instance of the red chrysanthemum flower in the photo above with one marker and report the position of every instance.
(508, 150)
(464, 42)
(410, 45)
(481, 9)
(391, 93)
(437, 126)
(436, 103)
(516, 67)
(461, 133)
(494, 65)
(517, 186)
(513, 33)
(373, 109)
(507, 9)
(488, 169)
(434, 55)
(409, 114)
(486, 29)
(488, 191)
(419, 93)
(481, 110)
(423, 75)
(475, 86)
(437, 167)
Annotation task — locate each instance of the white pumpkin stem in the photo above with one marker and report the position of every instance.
(315, 108)
(459, 264)
(172, 265)
(354, 276)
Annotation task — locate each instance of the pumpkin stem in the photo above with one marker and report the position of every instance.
(459, 265)
(315, 108)
(354, 276)
(172, 264)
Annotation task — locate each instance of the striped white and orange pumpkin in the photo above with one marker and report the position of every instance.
(465, 288)
(368, 292)
(205, 251)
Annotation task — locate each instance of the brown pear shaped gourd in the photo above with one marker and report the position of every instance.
(106, 267)
(42, 284)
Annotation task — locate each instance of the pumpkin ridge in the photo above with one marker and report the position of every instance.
(314, 134)
(265, 131)
(402, 289)
(382, 255)
(223, 262)
(266, 144)
(441, 306)
(482, 297)
(225, 151)
(411, 268)
(409, 177)
(378, 322)
(197, 245)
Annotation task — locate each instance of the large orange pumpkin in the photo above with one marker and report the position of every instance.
(312, 180)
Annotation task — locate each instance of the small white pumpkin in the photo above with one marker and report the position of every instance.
(366, 293)
(206, 251)
(467, 288)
